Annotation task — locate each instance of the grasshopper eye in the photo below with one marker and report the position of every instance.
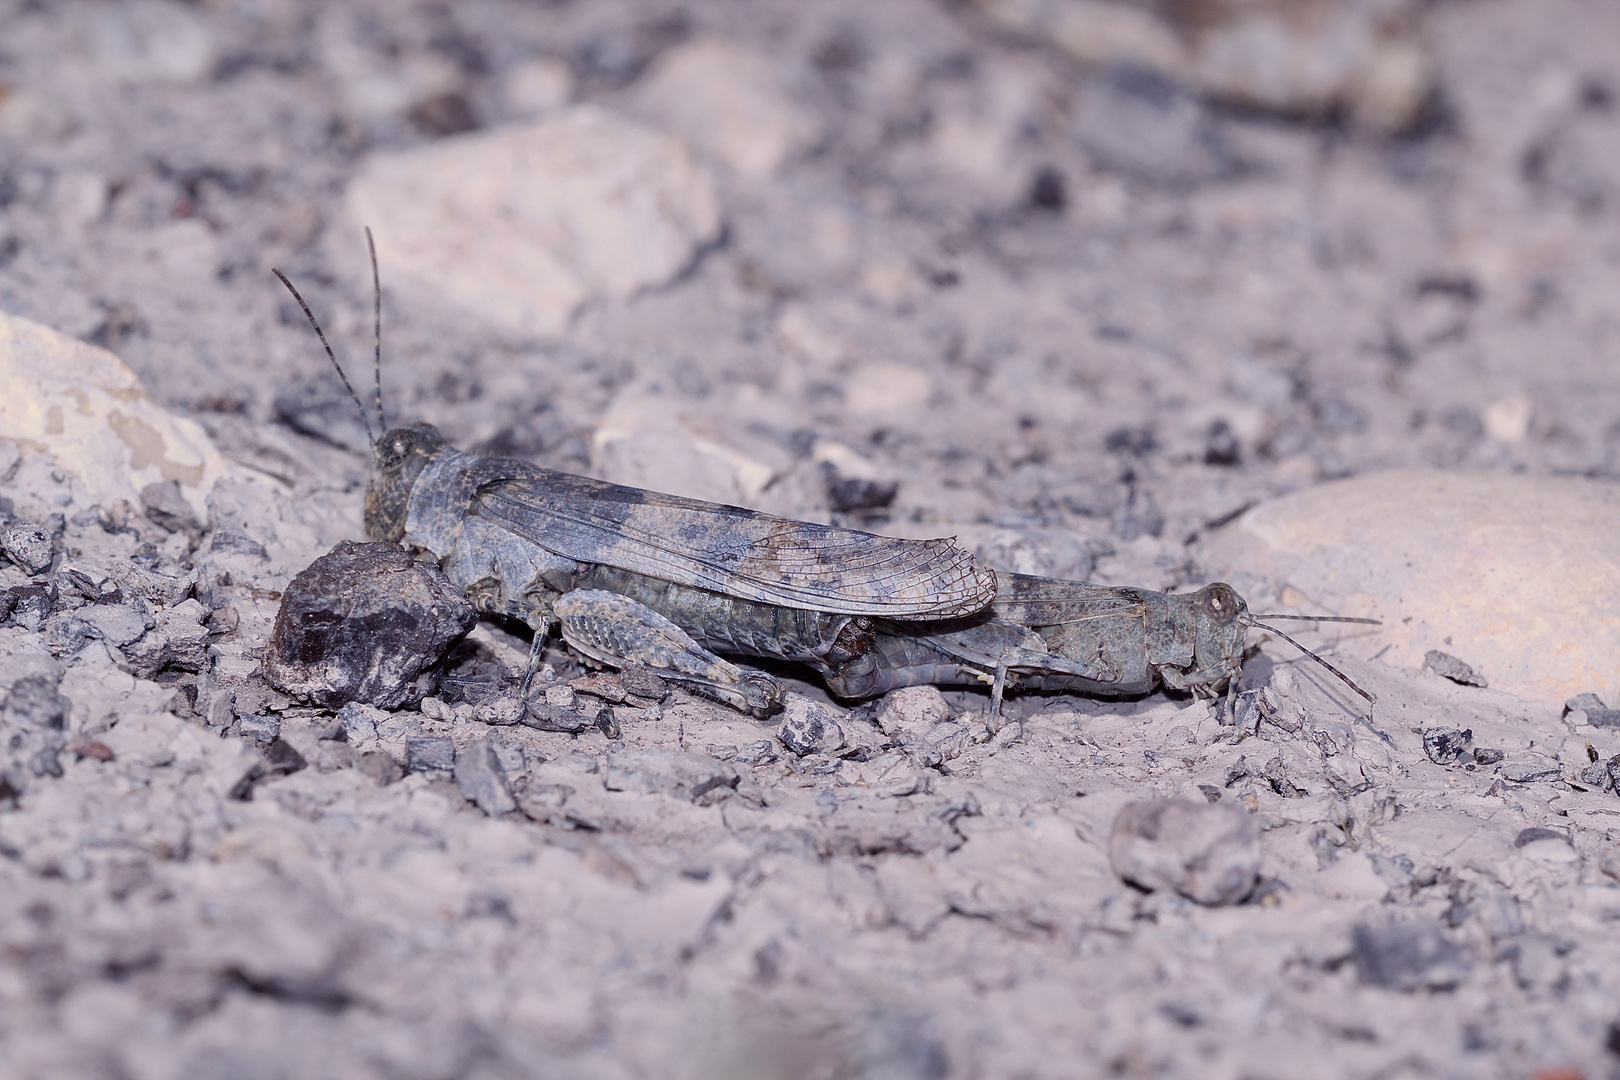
(1220, 603)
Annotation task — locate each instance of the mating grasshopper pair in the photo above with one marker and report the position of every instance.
(634, 576)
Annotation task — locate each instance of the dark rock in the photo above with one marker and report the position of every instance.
(1139, 123)
(640, 681)
(1449, 667)
(1048, 191)
(1445, 745)
(1612, 768)
(1207, 852)
(229, 541)
(609, 688)
(30, 546)
(1597, 776)
(430, 753)
(281, 758)
(1407, 956)
(30, 606)
(856, 494)
(263, 730)
(607, 722)
(1533, 835)
(35, 701)
(1221, 444)
(543, 717)
(367, 623)
(166, 506)
(482, 780)
(1597, 713)
(379, 767)
(1486, 756)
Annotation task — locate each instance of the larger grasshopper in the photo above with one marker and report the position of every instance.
(551, 548)
(634, 576)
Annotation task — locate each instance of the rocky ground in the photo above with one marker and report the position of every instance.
(1078, 283)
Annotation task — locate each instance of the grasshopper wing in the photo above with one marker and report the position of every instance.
(1038, 601)
(737, 552)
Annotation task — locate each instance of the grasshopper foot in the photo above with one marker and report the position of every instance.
(618, 631)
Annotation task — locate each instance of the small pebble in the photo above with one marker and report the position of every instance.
(380, 767)
(1449, 667)
(1207, 852)
(1407, 956)
(28, 545)
(263, 730)
(1445, 745)
(482, 780)
(430, 753)
(543, 716)
(808, 727)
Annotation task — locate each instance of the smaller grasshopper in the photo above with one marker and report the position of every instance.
(627, 573)
(1050, 634)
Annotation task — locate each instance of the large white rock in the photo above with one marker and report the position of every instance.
(1519, 576)
(522, 226)
(89, 411)
(727, 100)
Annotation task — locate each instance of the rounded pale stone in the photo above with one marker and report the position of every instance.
(728, 100)
(524, 225)
(1518, 576)
(89, 411)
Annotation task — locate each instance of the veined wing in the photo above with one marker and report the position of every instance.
(738, 552)
(1037, 601)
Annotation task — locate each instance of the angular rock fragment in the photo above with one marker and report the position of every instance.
(1407, 956)
(1531, 771)
(430, 753)
(482, 780)
(364, 623)
(166, 506)
(1445, 745)
(281, 758)
(35, 701)
(683, 775)
(379, 767)
(1449, 667)
(264, 729)
(1597, 714)
(1207, 852)
(28, 545)
(809, 727)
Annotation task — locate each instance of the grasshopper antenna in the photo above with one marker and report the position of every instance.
(376, 360)
(1347, 680)
(330, 355)
(1321, 618)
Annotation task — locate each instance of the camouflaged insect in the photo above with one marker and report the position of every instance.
(634, 576)
(627, 573)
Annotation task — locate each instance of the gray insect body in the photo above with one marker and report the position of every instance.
(1049, 634)
(632, 575)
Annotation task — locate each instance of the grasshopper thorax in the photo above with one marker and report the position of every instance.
(397, 458)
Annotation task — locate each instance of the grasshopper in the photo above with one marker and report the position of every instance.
(1050, 634)
(635, 576)
(599, 559)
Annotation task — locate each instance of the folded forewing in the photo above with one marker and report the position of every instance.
(738, 552)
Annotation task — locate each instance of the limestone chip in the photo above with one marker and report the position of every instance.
(524, 225)
(1519, 574)
(88, 410)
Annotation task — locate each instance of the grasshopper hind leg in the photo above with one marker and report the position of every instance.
(619, 631)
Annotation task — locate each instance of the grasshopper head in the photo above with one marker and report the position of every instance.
(1221, 627)
(397, 459)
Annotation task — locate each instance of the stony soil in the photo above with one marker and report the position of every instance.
(1079, 317)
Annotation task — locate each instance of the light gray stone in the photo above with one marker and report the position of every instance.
(1207, 852)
